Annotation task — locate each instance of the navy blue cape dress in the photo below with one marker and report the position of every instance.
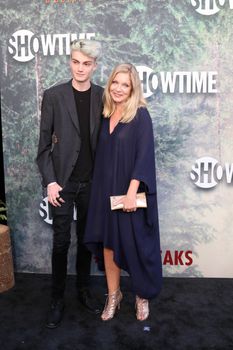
(127, 153)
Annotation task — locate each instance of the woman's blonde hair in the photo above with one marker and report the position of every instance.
(135, 100)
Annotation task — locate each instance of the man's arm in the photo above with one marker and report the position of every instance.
(44, 159)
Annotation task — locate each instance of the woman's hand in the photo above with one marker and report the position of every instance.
(129, 203)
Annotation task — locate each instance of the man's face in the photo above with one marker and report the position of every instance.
(82, 66)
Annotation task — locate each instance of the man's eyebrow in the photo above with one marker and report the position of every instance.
(74, 59)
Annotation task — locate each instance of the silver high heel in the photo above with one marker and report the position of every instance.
(142, 308)
(112, 303)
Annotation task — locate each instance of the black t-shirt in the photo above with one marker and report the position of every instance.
(83, 167)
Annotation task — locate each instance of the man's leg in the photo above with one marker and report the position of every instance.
(83, 261)
(61, 243)
(62, 218)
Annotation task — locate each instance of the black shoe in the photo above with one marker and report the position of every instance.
(85, 298)
(55, 313)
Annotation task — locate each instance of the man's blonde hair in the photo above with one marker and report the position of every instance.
(136, 98)
(89, 48)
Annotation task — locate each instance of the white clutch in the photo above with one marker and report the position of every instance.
(140, 201)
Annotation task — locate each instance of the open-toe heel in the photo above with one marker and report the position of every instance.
(112, 303)
(142, 308)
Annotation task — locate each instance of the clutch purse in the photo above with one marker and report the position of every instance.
(140, 201)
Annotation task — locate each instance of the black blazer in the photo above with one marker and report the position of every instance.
(60, 139)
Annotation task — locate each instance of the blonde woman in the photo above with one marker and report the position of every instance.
(128, 238)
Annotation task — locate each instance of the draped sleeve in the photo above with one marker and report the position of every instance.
(144, 168)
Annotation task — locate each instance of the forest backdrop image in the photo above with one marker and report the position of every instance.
(168, 41)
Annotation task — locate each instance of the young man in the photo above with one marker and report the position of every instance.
(70, 121)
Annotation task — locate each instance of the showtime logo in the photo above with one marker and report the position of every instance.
(210, 7)
(24, 44)
(207, 172)
(180, 81)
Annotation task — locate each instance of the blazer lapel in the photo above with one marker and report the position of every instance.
(70, 105)
(94, 109)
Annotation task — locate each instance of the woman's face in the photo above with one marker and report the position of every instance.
(121, 87)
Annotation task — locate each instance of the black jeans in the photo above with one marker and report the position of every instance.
(72, 193)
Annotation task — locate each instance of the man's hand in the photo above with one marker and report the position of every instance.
(53, 194)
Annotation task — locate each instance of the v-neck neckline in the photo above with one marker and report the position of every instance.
(110, 133)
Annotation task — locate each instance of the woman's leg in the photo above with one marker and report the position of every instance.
(112, 271)
(113, 281)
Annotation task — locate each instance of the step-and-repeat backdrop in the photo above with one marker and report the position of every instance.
(183, 52)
